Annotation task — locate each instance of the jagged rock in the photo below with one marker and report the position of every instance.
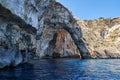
(62, 45)
(102, 37)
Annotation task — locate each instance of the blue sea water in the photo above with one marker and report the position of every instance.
(65, 69)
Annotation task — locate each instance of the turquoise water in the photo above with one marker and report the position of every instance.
(65, 69)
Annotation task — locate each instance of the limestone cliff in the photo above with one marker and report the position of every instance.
(102, 37)
(28, 28)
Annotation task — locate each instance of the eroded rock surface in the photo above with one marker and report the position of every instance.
(27, 27)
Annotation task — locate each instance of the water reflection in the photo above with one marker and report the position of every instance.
(67, 69)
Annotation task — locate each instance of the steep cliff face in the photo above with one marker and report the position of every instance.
(102, 37)
(28, 29)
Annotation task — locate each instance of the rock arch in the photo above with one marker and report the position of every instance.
(58, 17)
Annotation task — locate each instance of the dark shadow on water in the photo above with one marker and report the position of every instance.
(21, 72)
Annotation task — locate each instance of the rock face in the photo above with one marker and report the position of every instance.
(16, 44)
(62, 45)
(28, 10)
(102, 37)
(28, 29)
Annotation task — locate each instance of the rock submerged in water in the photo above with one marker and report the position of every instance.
(10, 57)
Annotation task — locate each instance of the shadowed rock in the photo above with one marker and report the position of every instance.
(62, 45)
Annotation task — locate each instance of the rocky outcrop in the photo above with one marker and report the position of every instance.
(16, 44)
(28, 29)
(102, 37)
